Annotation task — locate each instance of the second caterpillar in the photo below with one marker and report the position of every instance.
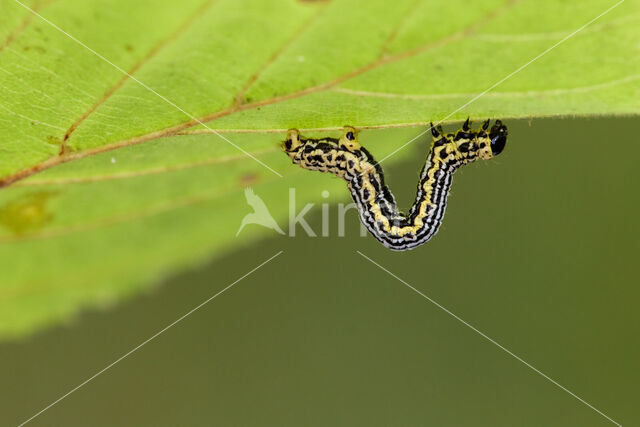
(346, 158)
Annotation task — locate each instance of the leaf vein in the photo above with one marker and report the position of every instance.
(123, 218)
(125, 77)
(139, 173)
(517, 94)
(24, 24)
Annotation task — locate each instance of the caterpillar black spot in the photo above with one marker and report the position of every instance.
(346, 158)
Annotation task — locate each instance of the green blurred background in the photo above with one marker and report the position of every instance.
(538, 250)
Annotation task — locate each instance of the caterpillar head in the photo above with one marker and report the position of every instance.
(498, 137)
(472, 144)
(491, 144)
(467, 144)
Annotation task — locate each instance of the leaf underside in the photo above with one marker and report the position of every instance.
(131, 187)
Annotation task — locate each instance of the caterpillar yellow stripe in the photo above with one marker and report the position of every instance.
(346, 158)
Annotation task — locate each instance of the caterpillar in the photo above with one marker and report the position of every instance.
(349, 160)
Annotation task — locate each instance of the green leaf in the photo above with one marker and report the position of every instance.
(131, 187)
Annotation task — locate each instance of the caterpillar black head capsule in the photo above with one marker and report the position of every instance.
(498, 137)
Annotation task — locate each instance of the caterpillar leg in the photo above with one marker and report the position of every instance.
(349, 160)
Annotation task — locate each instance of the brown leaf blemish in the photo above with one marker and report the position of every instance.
(248, 179)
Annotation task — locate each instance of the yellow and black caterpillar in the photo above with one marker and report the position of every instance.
(346, 158)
